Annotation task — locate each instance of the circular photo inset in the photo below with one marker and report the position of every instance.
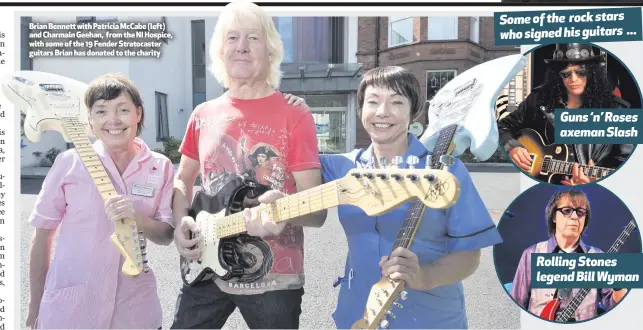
(558, 221)
(559, 76)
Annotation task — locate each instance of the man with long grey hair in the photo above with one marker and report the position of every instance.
(253, 129)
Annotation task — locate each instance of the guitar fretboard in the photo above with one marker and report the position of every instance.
(76, 132)
(416, 211)
(566, 314)
(302, 203)
(560, 166)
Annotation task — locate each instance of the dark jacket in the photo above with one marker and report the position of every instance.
(532, 113)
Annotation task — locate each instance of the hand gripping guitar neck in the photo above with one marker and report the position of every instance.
(55, 103)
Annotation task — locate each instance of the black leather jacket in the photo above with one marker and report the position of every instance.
(532, 113)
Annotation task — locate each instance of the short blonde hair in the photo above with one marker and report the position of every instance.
(245, 11)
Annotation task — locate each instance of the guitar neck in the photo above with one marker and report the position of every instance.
(417, 209)
(76, 132)
(292, 206)
(567, 168)
(580, 296)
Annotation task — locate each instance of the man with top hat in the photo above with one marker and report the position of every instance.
(576, 77)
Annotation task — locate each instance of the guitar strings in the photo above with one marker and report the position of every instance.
(571, 308)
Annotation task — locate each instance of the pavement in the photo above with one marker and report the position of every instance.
(488, 304)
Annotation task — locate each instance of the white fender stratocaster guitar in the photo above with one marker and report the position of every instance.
(469, 102)
(56, 103)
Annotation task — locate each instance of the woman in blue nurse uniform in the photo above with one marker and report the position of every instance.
(446, 247)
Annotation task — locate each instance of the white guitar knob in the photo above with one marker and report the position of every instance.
(404, 295)
(384, 324)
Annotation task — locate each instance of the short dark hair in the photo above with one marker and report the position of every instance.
(110, 86)
(575, 196)
(394, 78)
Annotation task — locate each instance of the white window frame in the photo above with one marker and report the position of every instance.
(474, 29)
(426, 78)
(428, 27)
(162, 115)
(395, 19)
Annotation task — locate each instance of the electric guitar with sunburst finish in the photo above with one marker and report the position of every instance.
(56, 103)
(551, 163)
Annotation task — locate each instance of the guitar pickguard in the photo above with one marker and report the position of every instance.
(243, 258)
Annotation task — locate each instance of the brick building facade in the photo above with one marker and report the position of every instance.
(435, 49)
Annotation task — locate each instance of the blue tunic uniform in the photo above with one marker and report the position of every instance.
(467, 225)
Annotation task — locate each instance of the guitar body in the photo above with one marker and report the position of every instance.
(550, 310)
(541, 154)
(65, 97)
(52, 102)
(469, 100)
(228, 257)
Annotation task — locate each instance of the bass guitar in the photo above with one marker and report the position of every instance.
(461, 116)
(221, 226)
(551, 163)
(550, 311)
(56, 103)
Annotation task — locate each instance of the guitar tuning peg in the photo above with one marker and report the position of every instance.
(384, 324)
(429, 160)
(388, 312)
(404, 295)
(383, 162)
(397, 161)
(412, 161)
(446, 161)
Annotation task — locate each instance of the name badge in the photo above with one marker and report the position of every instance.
(141, 190)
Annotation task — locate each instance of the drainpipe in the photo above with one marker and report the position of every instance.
(377, 41)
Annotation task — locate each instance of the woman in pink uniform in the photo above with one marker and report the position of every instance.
(83, 286)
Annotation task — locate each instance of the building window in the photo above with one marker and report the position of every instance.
(400, 30)
(443, 28)
(312, 40)
(474, 30)
(198, 63)
(91, 19)
(162, 122)
(330, 113)
(436, 79)
(26, 63)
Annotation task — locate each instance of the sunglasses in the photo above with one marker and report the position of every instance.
(582, 72)
(567, 211)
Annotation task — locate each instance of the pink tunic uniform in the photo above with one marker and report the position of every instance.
(85, 287)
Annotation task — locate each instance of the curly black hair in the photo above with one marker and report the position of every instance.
(598, 91)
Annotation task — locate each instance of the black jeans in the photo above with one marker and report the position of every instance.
(205, 306)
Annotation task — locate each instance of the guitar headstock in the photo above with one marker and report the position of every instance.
(46, 99)
(377, 191)
(382, 299)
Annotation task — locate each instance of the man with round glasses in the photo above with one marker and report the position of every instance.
(575, 78)
(567, 214)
